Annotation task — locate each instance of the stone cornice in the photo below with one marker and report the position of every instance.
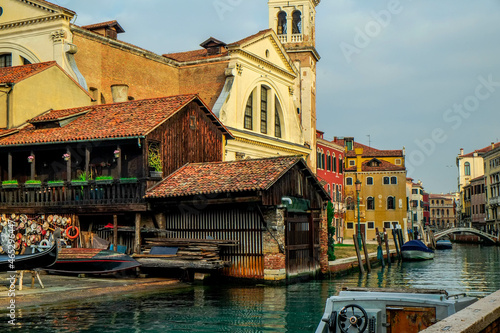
(35, 20)
(273, 143)
(262, 62)
(303, 49)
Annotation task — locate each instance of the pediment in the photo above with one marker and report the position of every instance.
(26, 10)
(267, 47)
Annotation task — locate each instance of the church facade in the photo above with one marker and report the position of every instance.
(262, 87)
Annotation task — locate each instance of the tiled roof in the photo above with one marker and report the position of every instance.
(194, 55)
(18, 73)
(246, 39)
(113, 23)
(383, 166)
(370, 151)
(223, 177)
(481, 151)
(118, 120)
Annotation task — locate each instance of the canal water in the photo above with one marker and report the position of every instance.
(470, 269)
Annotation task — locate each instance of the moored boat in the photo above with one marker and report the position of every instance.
(29, 261)
(443, 244)
(92, 261)
(388, 310)
(416, 250)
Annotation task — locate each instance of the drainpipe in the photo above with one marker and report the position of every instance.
(8, 109)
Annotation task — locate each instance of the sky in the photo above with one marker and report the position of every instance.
(422, 75)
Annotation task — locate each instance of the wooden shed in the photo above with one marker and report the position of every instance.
(273, 208)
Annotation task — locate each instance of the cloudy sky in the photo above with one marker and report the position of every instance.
(419, 74)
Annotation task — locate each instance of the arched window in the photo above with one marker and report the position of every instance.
(318, 158)
(370, 203)
(281, 23)
(297, 22)
(467, 168)
(334, 163)
(391, 203)
(249, 113)
(328, 161)
(277, 121)
(263, 109)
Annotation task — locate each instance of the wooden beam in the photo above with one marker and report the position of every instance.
(87, 160)
(119, 161)
(32, 176)
(137, 247)
(115, 233)
(68, 166)
(9, 166)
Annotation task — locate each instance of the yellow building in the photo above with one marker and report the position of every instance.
(381, 175)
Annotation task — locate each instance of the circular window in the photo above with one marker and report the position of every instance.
(1, 11)
(267, 53)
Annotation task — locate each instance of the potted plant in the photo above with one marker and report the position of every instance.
(131, 180)
(33, 183)
(31, 158)
(55, 183)
(66, 156)
(10, 184)
(82, 180)
(104, 180)
(116, 153)
(154, 160)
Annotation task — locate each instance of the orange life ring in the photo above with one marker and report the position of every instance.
(75, 235)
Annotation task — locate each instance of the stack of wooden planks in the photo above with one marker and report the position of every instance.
(190, 253)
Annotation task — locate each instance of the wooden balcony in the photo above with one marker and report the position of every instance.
(75, 196)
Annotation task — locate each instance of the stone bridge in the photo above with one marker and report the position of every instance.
(483, 235)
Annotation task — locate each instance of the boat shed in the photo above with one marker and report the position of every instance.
(274, 208)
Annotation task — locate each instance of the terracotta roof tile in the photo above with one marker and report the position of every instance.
(18, 73)
(118, 120)
(50, 4)
(370, 151)
(113, 23)
(383, 166)
(246, 39)
(223, 177)
(481, 151)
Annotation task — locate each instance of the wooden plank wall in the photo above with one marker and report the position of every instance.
(227, 224)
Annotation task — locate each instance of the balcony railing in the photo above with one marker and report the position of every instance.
(495, 201)
(73, 193)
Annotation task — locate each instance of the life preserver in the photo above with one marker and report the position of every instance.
(75, 235)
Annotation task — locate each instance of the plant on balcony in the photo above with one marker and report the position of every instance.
(31, 158)
(66, 156)
(33, 183)
(55, 183)
(154, 160)
(116, 153)
(104, 180)
(83, 179)
(131, 180)
(10, 184)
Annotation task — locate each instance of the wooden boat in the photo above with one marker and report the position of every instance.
(92, 261)
(416, 250)
(29, 261)
(443, 244)
(388, 310)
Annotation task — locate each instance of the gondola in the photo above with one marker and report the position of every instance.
(92, 261)
(29, 261)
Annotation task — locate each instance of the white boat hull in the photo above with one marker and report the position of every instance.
(417, 255)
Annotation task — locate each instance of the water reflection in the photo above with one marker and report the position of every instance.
(295, 308)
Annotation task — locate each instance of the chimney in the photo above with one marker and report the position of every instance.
(461, 151)
(492, 145)
(119, 93)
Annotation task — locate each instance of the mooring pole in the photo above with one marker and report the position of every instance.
(358, 254)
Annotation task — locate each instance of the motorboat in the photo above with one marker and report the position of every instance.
(375, 310)
(416, 250)
(92, 261)
(443, 244)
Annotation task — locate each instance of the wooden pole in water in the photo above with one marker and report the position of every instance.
(379, 241)
(358, 254)
(367, 259)
(115, 233)
(386, 240)
(396, 242)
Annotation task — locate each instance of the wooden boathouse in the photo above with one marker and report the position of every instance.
(273, 208)
(92, 165)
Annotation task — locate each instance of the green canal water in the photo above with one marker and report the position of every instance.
(470, 269)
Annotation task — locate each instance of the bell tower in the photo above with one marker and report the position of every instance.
(294, 23)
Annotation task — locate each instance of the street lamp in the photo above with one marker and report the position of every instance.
(358, 188)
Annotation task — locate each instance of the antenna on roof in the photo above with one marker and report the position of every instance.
(369, 140)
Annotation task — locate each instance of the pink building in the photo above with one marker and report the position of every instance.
(330, 170)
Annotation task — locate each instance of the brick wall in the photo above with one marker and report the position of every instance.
(273, 240)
